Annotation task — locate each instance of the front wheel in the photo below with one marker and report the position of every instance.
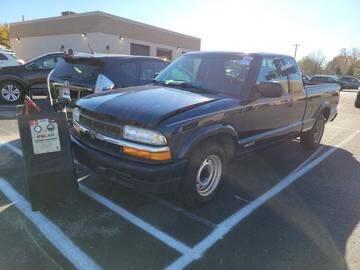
(11, 92)
(204, 173)
(312, 138)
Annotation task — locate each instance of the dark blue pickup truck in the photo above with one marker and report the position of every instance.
(179, 133)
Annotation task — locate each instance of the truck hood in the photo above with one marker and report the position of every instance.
(144, 106)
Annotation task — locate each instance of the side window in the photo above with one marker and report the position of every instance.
(150, 68)
(269, 73)
(3, 57)
(129, 74)
(295, 79)
(294, 76)
(44, 63)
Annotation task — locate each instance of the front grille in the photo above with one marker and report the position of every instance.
(99, 145)
(97, 124)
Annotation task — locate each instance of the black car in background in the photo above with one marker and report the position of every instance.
(81, 74)
(318, 79)
(16, 81)
(350, 82)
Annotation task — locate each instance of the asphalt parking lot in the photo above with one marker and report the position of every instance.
(280, 208)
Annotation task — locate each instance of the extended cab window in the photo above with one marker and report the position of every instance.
(295, 79)
(269, 73)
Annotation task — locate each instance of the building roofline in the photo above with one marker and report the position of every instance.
(101, 13)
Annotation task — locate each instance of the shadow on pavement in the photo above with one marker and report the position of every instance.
(307, 226)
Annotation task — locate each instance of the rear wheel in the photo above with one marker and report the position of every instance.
(204, 173)
(312, 138)
(11, 92)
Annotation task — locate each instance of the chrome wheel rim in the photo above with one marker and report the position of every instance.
(318, 131)
(209, 175)
(10, 92)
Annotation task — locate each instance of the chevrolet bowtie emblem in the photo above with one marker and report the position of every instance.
(93, 134)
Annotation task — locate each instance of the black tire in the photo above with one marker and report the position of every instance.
(189, 192)
(357, 102)
(312, 138)
(11, 92)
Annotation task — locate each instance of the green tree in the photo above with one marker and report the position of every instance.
(4, 35)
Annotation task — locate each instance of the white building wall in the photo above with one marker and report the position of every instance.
(29, 47)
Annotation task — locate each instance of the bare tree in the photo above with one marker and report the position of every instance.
(313, 63)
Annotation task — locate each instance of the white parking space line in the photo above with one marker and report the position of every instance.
(313, 155)
(56, 237)
(158, 234)
(11, 147)
(184, 212)
(228, 224)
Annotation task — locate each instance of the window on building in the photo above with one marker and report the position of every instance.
(138, 49)
(165, 54)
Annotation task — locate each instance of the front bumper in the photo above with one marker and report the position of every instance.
(144, 177)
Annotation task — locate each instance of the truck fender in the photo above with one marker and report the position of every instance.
(324, 107)
(205, 133)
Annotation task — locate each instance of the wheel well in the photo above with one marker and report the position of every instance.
(227, 142)
(21, 84)
(326, 112)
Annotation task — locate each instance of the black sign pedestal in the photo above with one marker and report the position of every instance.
(48, 158)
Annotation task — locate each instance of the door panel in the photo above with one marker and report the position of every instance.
(267, 119)
(298, 97)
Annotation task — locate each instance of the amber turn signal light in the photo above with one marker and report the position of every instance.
(159, 156)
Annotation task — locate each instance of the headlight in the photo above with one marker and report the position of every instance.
(76, 114)
(144, 136)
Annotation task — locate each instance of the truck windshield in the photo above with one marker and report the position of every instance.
(216, 73)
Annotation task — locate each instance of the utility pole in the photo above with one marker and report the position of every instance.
(296, 48)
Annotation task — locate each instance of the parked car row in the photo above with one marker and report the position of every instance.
(79, 75)
(346, 82)
(76, 75)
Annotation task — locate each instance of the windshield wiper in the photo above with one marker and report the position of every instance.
(157, 82)
(185, 85)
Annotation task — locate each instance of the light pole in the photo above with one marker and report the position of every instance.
(296, 48)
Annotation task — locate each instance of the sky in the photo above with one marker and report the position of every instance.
(229, 25)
